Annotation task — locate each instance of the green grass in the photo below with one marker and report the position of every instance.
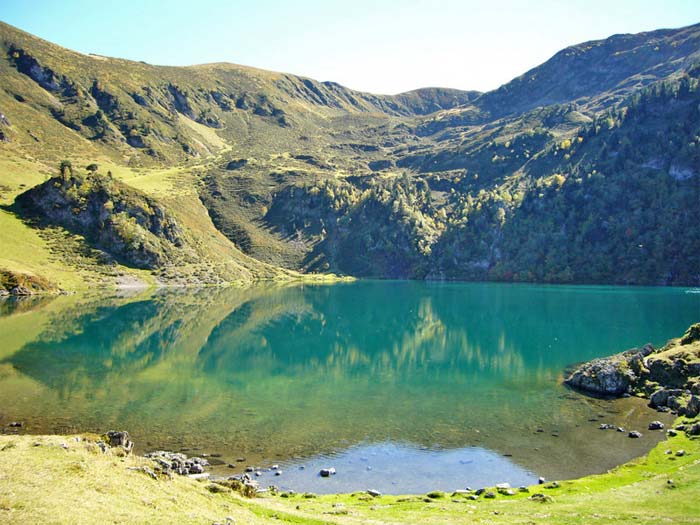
(79, 484)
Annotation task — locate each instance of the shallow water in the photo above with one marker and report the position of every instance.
(418, 378)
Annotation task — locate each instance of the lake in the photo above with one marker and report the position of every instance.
(403, 387)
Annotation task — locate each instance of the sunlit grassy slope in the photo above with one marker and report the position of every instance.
(270, 170)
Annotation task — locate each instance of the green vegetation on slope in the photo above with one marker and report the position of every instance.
(117, 218)
(582, 170)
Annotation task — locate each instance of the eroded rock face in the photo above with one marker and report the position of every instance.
(125, 223)
(608, 376)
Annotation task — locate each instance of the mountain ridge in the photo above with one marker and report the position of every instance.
(302, 175)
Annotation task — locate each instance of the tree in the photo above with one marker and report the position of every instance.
(66, 168)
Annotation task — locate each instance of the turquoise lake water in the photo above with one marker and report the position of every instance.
(401, 386)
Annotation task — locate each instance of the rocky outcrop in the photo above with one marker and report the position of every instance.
(610, 376)
(669, 376)
(116, 218)
(21, 284)
(178, 463)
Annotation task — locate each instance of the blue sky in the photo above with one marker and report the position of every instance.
(378, 46)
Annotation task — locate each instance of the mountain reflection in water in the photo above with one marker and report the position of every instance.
(275, 373)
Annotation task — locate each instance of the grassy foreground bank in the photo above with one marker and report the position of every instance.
(67, 479)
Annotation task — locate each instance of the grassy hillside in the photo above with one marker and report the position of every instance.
(268, 174)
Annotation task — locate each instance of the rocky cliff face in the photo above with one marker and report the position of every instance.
(121, 221)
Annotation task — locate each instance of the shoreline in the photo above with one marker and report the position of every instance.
(39, 472)
(79, 459)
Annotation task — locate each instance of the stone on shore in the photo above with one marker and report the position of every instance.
(120, 439)
(607, 376)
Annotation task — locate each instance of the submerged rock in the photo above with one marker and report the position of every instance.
(326, 472)
(634, 434)
(656, 425)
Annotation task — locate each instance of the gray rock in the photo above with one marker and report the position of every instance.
(541, 480)
(694, 430)
(120, 439)
(674, 403)
(634, 434)
(490, 495)
(374, 493)
(671, 432)
(656, 425)
(326, 472)
(608, 376)
(680, 453)
(659, 398)
(692, 409)
(647, 349)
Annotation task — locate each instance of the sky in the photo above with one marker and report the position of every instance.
(379, 46)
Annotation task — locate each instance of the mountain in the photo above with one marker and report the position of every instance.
(584, 169)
